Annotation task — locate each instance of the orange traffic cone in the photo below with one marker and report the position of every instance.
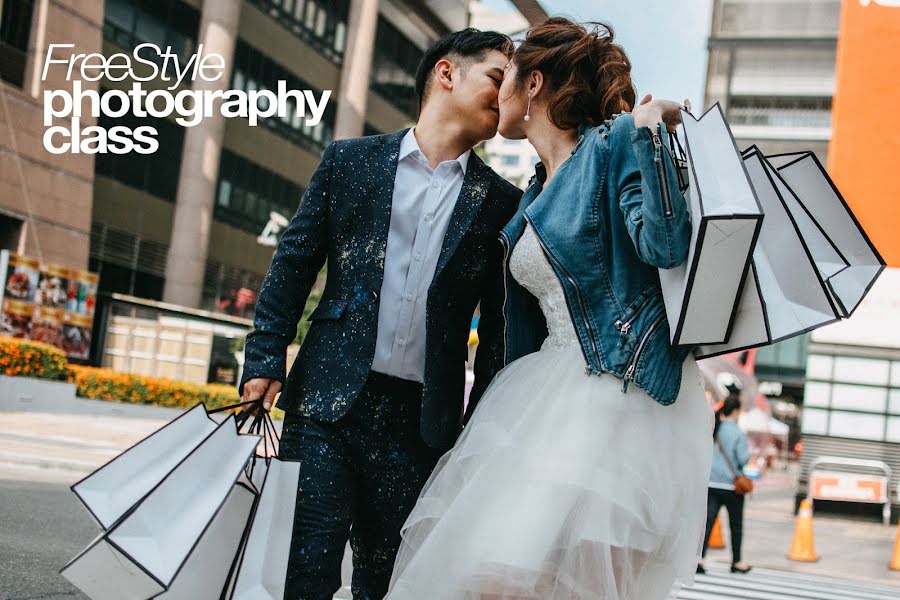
(715, 536)
(895, 558)
(803, 548)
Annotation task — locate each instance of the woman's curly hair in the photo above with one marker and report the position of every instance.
(589, 76)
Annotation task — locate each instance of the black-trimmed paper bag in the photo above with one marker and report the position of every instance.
(701, 294)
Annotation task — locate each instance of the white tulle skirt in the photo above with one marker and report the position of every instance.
(563, 487)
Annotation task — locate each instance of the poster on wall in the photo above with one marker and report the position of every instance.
(15, 320)
(47, 302)
(76, 335)
(21, 276)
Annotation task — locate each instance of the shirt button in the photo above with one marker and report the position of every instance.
(418, 257)
(435, 184)
(409, 296)
(428, 218)
(401, 341)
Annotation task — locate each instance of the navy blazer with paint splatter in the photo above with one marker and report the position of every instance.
(344, 217)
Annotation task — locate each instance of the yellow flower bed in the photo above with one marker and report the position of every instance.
(106, 384)
(42, 361)
(32, 359)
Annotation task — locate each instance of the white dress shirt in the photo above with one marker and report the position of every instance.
(421, 207)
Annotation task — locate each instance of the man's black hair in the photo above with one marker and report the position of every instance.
(468, 43)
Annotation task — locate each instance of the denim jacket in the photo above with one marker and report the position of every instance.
(611, 216)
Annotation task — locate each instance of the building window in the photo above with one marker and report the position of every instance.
(156, 173)
(166, 23)
(852, 397)
(10, 232)
(394, 68)
(253, 70)
(229, 289)
(15, 29)
(775, 111)
(127, 263)
(247, 193)
(320, 23)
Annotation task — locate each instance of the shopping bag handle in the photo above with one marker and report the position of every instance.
(261, 423)
(232, 406)
(680, 159)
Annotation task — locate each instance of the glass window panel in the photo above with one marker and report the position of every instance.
(857, 397)
(861, 370)
(815, 421)
(895, 374)
(893, 429)
(224, 193)
(238, 197)
(179, 46)
(858, 426)
(310, 14)
(894, 401)
(239, 79)
(816, 394)
(151, 29)
(340, 34)
(119, 13)
(320, 23)
(819, 367)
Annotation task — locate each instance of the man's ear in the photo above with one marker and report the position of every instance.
(444, 71)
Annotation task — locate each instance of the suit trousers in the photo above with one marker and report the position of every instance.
(360, 478)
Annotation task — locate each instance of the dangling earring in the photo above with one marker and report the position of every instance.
(528, 110)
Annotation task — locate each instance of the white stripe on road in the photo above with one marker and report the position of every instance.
(766, 584)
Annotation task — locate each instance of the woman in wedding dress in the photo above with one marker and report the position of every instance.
(583, 471)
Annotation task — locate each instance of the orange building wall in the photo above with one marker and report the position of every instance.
(864, 155)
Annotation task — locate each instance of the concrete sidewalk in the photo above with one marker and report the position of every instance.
(66, 446)
(74, 443)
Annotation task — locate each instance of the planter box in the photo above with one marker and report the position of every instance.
(24, 394)
(35, 395)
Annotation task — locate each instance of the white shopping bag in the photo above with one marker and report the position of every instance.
(701, 295)
(211, 564)
(843, 253)
(195, 511)
(262, 568)
(785, 295)
(117, 486)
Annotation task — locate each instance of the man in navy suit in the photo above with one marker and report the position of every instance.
(409, 225)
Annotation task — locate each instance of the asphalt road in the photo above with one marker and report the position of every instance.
(43, 527)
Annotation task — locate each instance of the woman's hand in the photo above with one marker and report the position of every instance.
(650, 112)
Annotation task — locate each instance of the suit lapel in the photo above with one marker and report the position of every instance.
(474, 190)
(383, 172)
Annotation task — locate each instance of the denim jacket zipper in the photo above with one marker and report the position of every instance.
(587, 324)
(625, 326)
(504, 241)
(629, 374)
(661, 170)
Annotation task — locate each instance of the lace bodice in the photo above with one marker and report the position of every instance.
(529, 266)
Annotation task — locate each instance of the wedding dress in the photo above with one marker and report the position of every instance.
(562, 486)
